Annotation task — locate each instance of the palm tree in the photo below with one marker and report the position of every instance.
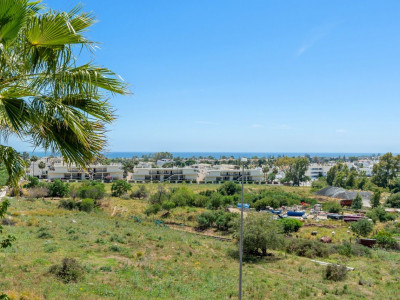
(41, 166)
(34, 159)
(47, 97)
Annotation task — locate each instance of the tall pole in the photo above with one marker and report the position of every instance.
(241, 233)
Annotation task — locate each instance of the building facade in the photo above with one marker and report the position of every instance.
(164, 174)
(93, 172)
(214, 176)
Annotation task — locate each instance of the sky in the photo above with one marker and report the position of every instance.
(251, 76)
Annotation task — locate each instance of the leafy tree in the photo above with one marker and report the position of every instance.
(379, 214)
(376, 199)
(290, 225)
(33, 182)
(41, 166)
(362, 227)
(260, 232)
(58, 188)
(386, 170)
(33, 159)
(183, 196)
(357, 202)
(393, 200)
(119, 188)
(159, 196)
(47, 97)
(297, 170)
(229, 188)
(92, 189)
(206, 219)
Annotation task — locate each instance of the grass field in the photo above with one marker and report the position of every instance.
(124, 259)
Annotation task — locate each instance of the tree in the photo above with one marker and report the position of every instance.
(296, 170)
(357, 202)
(33, 159)
(362, 227)
(394, 200)
(162, 155)
(229, 188)
(260, 232)
(376, 199)
(58, 189)
(332, 207)
(41, 166)
(290, 225)
(119, 188)
(91, 189)
(386, 170)
(47, 96)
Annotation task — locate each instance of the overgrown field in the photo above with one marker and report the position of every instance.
(125, 259)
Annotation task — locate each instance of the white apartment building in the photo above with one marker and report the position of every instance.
(316, 170)
(164, 174)
(233, 175)
(95, 172)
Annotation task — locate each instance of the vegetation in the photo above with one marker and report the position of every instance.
(357, 202)
(58, 188)
(335, 272)
(120, 187)
(47, 97)
(290, 225)
(394, 200)
(332, 207)
(362, 227)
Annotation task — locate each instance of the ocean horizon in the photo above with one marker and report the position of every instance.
(117, 154)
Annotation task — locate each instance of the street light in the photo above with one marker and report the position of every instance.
(243, 160)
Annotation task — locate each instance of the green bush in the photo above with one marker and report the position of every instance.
(168, 205)
(225, 221)
(206, 219)
(229, 188)
(140, 193)
(86, 205)
(335, 272)
(385, 239)
(307, 248)
(183, 196)
(260, 233)
(33, 182)
(393, 200)
(357, 202)
(69, 270)
(91, 189)
(348, 249)
(201, 201)
(379, 214)
(290, 225)
(120, 187)
(58, 188)
(68, 204)
(216, 201)
(332, 207)
(362, 227)
(153, 209)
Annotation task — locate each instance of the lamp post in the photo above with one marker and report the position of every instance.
(243, 160)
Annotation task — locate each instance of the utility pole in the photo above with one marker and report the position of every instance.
(243, 160)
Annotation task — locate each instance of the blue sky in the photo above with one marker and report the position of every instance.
(214, 75)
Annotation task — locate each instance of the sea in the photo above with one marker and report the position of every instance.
(218, 155)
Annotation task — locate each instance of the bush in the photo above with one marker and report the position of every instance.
(394, 200)
(69, 270)
(379, 214)
(348, 249)
(183, 196)
(201, 201)
(206, 219)
(229, 188)
(92, 189)
(58, 188)
(33, 182)
(260, 232)
(153, 209)
(38, 192)
(225, 220)
(159, 196)
(332, 207)
(335, 272)
(385, 239)
(120, 187)
(319, 184)
(307, 248)
(168, 205)
(290, 225)
(140, 193)
(216, 201)
(68, 204)
(86, 205)
(362, 227)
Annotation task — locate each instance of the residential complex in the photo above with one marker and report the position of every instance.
(94, 172)
(316, 170)
(164, 174)
(215, 176)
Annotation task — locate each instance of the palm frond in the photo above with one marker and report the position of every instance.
(14, 164)
(13, 15)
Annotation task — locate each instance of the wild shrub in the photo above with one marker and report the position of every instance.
(86, 205)
(260, 233)
(68, 271)
(168, 205)
(120, 187)
(332, 207)
(33, 182)
(357, 202)
(159, 196)
(229, 188)
(182, 196)
(152, 209)
(335, 272)
(216, 201)
(201, 201)
(206, 219)
(386, 240)
(379, 214)
(348, 249)
(91, 189)
(290, 225)
(68, 204)
(307, 248)
(225, 221)
(362, 227)
(38, 192)
(140, 193)
(58, 188)
(393, 200)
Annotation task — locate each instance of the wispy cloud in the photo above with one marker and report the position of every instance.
(206, 123)
(341, 130)
(257, 126)
(317, 35)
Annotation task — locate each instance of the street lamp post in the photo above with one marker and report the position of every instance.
(243, 160)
